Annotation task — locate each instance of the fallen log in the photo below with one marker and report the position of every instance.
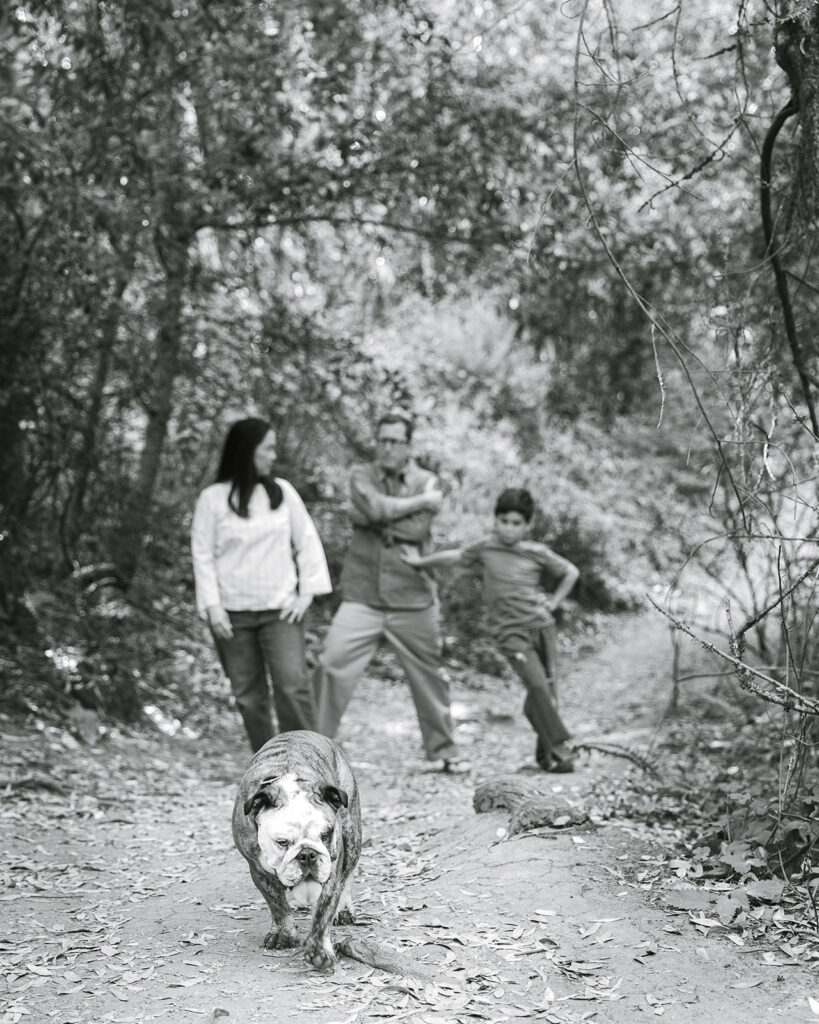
(384, 958)
(530, 801)
(34, 780)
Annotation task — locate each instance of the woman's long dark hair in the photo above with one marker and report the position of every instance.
(236, 466)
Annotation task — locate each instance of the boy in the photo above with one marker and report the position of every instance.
(520, 612)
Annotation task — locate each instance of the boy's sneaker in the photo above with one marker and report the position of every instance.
(562, 760)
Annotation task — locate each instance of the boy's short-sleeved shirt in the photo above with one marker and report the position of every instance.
(514, 579)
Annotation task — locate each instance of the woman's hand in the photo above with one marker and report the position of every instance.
(220, 622)
(293, 610)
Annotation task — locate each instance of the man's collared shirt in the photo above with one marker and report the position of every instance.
(374, 572)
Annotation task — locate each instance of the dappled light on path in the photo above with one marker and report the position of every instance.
(125, 900)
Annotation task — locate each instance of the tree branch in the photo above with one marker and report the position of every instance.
(772, 255)
(784, 696)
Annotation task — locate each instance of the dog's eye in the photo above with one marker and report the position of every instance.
(326, 835)
(283, 843)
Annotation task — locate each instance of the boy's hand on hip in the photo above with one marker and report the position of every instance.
(433, 500)
(293, 610)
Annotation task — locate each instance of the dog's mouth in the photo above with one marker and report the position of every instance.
(304, 894)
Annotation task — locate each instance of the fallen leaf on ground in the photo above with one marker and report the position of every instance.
(769, 889)
(688, 899)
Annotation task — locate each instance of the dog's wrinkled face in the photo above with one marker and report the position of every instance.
(298, 834)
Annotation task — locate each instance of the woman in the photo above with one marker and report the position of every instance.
(258, 562)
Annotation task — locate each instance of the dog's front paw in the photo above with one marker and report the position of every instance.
(278, 939)
(345, 916)
(320, 955)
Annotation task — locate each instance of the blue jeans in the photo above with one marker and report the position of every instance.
(263, 644)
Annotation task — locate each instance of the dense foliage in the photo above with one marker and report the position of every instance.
(536, 225)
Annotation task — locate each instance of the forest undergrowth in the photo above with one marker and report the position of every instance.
(744, 851)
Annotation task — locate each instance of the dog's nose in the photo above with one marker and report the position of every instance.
(307, 857)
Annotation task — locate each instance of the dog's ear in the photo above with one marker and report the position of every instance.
(333, 795)
(267, 796)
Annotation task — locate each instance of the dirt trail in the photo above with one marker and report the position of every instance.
(124, 899)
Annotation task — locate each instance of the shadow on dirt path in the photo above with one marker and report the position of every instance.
(124, 899)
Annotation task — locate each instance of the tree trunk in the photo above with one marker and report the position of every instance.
(19, 338)
(86, 458)
(797, 53)
(173, 244)
(810, 107)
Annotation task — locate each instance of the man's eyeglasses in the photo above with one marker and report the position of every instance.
(386, 441)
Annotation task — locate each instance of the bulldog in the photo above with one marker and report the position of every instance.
(297, 823)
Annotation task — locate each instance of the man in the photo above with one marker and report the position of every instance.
(393, 504)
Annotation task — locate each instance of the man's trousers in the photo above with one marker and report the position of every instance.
(353, 638)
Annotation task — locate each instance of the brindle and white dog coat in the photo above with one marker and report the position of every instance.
(297, 822)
